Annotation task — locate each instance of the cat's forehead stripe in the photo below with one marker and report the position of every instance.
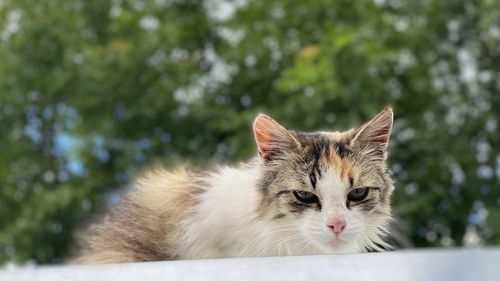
(331, 150)
(344, 167)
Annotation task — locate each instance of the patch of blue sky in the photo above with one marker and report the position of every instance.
(99, 149)
(69, 147)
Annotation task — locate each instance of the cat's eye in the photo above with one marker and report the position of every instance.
(306, 197)
(358, 194)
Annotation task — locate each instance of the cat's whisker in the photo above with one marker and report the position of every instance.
(286, 239)
(258, 239)
(282, 243)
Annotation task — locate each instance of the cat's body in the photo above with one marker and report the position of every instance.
(306, 194)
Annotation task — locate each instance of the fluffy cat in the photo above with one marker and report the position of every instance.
(306, 193)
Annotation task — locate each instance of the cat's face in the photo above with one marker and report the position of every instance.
(333, 188)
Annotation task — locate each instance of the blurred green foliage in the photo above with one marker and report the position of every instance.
(92, 91)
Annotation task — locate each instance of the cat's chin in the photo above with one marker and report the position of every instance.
(336, 243)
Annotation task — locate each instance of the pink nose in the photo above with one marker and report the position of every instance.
(337, 226)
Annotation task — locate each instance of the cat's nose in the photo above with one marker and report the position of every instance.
(336, 225)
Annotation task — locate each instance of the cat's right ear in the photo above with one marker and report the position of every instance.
(273, 140)
(373, 136)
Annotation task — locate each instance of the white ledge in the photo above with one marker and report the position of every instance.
(428, 265)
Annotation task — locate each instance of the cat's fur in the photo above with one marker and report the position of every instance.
(252, 210)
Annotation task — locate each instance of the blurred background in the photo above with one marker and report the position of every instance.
(92, 92)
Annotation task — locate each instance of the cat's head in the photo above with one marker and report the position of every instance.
(333, 187)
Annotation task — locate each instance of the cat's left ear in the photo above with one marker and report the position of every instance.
(273, 140)
(373, 136)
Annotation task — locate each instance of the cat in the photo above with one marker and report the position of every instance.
(304, 194)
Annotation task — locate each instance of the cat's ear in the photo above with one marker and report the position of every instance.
(373, 136)
(273, 140)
